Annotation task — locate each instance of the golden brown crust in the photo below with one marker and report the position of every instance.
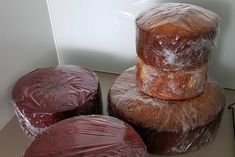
(126, 99)
(177, 18)
(182, 84)
(175, 36)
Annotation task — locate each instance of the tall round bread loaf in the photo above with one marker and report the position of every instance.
(176, 36)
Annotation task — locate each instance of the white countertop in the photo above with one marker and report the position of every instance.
(13, 142)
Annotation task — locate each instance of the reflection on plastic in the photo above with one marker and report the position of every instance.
(48, 95)
(88, 136)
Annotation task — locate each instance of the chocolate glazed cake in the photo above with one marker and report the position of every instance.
(167, 127)
(48, 95)
(88, 136)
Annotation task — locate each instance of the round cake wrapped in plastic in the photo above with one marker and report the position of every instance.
(166, 126)
(88, 136)
(176, 36)
(48, 95)
(176, 85)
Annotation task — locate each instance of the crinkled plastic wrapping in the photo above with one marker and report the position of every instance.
(177, 85)
(167, 127)
(176, 36)
(88, 136)
(48, 95)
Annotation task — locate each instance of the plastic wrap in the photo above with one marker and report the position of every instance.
(176, 36)
(88, 136)
(177, 85)
(167, 127)
(48, 95)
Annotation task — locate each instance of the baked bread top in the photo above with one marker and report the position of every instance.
(180, 19)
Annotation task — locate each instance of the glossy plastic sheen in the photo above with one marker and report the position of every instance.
(48, 95)
(167, 127)
(176, 36)
(88, 136)
(177, 85)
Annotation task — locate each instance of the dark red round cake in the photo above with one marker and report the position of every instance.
(88, 136)
(48, 95)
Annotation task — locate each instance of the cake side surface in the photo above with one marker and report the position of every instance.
(177, 85)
